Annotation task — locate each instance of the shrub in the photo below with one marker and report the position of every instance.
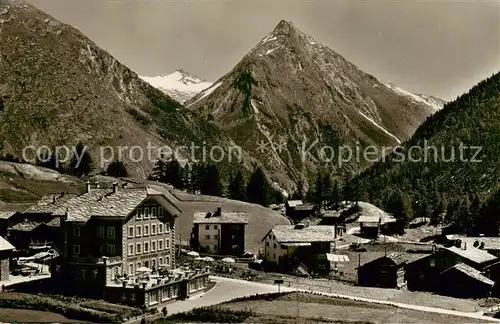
(211, 314)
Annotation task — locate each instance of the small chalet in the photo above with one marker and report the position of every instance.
(489, 244)
(425, 273)
(369, 225)
(299, 247)
(384, 272)
(304, 211)
(5, 252)
(464, 281)
(220, 232)
(290, 206)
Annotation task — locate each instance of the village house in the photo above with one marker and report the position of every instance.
(117, 241)
(373, 225)
(5, 253)
(300, 247)
(290, 206)
(6, 217)
(426, 274)
(220, 232)
(489, 244)
(384, 272)
(463, 281)
(24, 228)
(304, 211)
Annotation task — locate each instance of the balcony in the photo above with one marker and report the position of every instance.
(96, 260)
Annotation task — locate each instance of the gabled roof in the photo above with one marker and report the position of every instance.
(105, 202)
(305, 207)
(314, 233)
(294, 203)
(473, 254)
(397, 258)
(224, 218)
(7, 214)
(471, 272)
(368, 219)
(25, 226)
(5, 245)
(49, 203)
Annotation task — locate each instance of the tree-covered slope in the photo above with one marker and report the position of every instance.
(451, 163)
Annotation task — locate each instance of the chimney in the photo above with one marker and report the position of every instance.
(465, 245)
(219, 211)
(53, 199)
(307, 223)
(88, 185)
(115, 187)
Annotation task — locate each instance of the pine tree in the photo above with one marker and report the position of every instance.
(319, 189)
(299, 192)
(327, 190)
(336, 195)
(210, 181)
(117, 169)
(237, 187)
(81, 162)
(259, 189)
(173, 175)
(400, 207)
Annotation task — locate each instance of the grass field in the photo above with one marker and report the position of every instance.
(318, 309)
(25, 315)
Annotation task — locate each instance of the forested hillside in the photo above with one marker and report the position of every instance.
(449, 166)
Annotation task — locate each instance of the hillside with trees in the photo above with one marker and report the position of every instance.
(453, 175)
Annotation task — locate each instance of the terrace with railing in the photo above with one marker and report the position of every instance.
(148, 280)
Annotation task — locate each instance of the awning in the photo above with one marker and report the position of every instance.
(337, 257)
(297, 244)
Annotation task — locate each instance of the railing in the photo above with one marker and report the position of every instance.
(96, 260)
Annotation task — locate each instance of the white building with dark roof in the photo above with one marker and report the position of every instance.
(220, 232)
(288, 246)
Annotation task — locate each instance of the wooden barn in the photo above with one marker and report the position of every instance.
(384, 272)
(463, 281)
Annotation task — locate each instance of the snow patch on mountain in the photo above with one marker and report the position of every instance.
(380, 127)
(430, 101)
(180, 85)
(206, 92)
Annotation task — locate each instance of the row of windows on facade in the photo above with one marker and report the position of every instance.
(232, 227)
(146, 264)
(274, 246)
(149, 212)
(155, 246)
(81, 274)
(111, 230)
(162, 294)
(217, 236)
(143, 230)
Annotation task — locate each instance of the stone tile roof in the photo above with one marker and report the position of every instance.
(305, 207)
(471, 272)
(293, 203)
(5, 245)
(312, 233)
(49, 203)
(26, 226)
(476, 255)
(7, 214)
(397, 258)
(105, 202)
(224, 218)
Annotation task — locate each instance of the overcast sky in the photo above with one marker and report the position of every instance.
(436, 47)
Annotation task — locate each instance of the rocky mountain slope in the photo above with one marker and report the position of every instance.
(290, 92)
(456, 157)
(180, 85)
(59, 88)
(432, 101)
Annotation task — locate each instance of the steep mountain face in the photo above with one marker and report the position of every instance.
(453, 156)
(432, 101)
(290, 92)
(58, 88)
(180, 85)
